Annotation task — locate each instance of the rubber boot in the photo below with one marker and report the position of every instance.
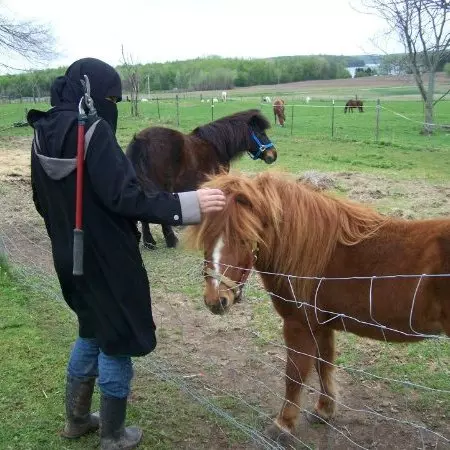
(79, 420)
(113, 434)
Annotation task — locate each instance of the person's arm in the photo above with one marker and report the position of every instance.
(114, 181)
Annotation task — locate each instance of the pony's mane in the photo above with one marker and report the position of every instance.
(229, 134)
(297, 227)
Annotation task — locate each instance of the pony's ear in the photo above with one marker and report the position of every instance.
(259, 121)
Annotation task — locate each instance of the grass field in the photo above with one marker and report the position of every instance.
(402, 171)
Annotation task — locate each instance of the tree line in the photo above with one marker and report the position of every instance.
(207, 73)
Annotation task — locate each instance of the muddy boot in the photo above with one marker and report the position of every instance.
(79, 420)
(113, 434)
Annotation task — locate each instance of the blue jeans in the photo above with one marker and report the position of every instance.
(114, 372)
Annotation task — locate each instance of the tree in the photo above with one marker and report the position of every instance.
(133, 78)
(29, 40)
(424, 33)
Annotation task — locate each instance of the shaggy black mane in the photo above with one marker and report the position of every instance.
(230, 135)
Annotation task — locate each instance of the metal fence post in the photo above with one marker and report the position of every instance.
(157, 105)
(292, 118)
(332, 120)
(377, 129)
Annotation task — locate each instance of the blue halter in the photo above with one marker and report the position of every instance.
(261, 147)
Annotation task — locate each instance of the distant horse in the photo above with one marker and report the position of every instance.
(278, 111)
(170, 160)
(339, 258)
(265, 99)
(351, 104)
(224, 96)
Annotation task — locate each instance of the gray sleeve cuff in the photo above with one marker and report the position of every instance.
(190, 208)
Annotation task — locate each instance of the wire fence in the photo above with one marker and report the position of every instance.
(234, 368)
(384, 122)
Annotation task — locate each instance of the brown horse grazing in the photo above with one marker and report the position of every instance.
(170, 160)
(278, 111)
(340, 259)
(351, 104)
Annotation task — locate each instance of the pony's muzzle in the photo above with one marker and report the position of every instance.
(218, 307)
(270, 156)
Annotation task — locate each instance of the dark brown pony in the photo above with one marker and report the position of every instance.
(278, 111)
(351, 255)
(351, 104)
(173, 161)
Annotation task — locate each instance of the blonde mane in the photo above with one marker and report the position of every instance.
(296, 227)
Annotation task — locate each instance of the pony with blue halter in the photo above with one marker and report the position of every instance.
(166, 159)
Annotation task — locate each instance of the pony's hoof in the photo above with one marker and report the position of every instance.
(150, 245)
(314, 418)
(283, 438)
(172, 243)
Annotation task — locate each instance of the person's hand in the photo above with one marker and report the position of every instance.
(210, 200)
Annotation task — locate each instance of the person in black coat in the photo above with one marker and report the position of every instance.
(112, 298)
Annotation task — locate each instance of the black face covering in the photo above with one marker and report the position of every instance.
(104, 81)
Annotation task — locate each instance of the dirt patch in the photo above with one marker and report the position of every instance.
(15, 158)
(219, 359)
(411, 199)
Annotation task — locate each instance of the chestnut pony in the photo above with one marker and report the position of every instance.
(167, 159)
(339, 258)
(278, 111)
(352, 104)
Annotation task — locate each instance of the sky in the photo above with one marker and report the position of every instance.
(168, 30)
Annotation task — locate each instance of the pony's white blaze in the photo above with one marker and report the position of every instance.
(216, 257)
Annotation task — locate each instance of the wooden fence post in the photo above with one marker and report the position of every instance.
(178, 111)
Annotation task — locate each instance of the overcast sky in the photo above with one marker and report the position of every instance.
(167, 30)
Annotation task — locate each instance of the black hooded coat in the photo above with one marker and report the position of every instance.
(112, 299)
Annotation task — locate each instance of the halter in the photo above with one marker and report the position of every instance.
(228, 282)
(261, 147)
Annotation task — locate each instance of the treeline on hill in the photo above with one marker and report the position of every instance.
(208, 73)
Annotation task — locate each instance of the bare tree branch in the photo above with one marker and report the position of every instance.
(29, 40)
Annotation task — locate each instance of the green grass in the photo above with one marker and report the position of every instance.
(400, 151)
(36, 335)
(35, 331)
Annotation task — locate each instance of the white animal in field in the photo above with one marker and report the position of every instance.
(224, 96)
(215, 100)
(144, 100)
(203, 101)
(307, 100)
(207, 101)
(266, 100)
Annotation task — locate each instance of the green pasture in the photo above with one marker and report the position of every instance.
(35, 331)
(316, 136)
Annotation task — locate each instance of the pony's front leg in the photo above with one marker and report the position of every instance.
(301, 350)
(147, 237)
(169, 236)
(326, 406)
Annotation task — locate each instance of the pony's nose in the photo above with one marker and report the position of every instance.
(223, 302)
(270, 157)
